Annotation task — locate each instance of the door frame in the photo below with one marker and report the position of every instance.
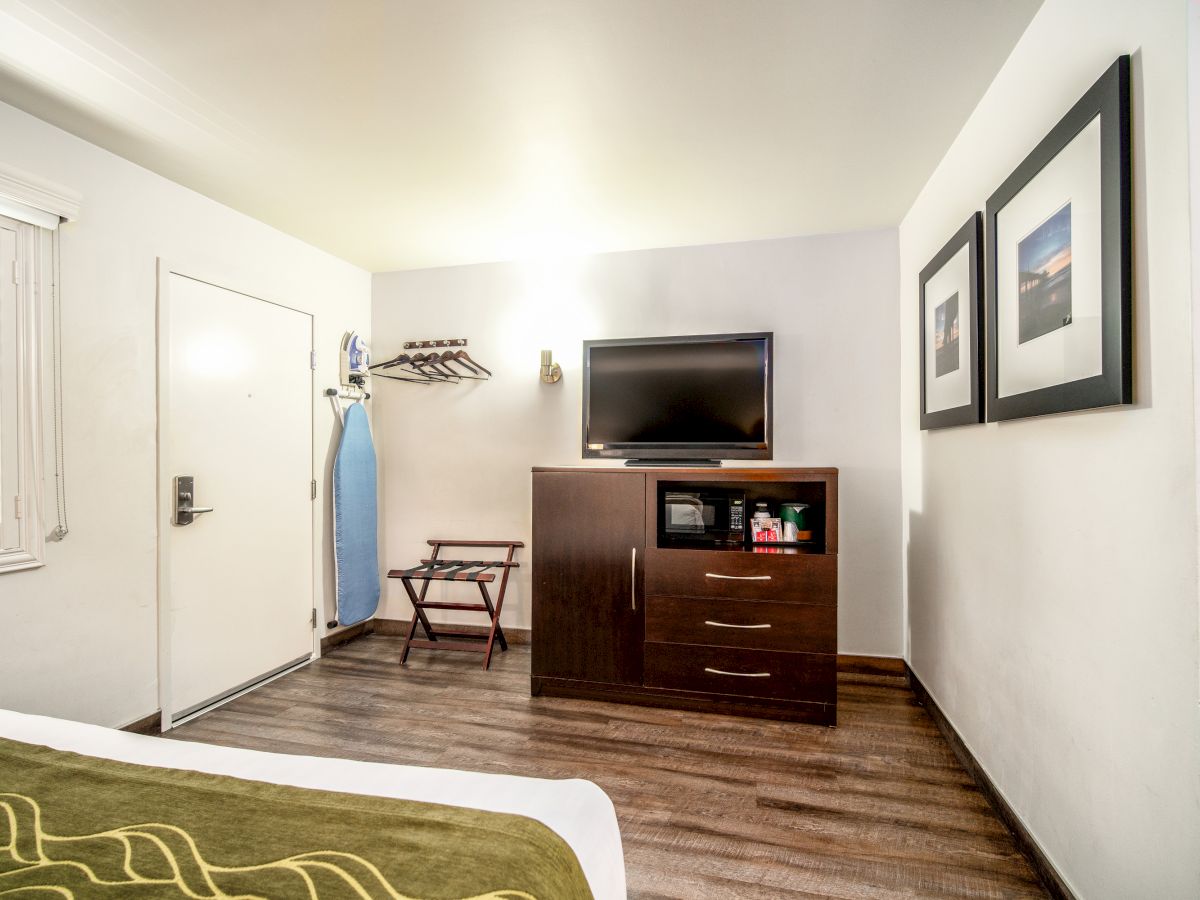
(164, 502)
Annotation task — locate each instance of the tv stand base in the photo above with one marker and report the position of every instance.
(674, 463)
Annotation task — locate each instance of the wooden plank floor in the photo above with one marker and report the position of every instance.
(709, 806)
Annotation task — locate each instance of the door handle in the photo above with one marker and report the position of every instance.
(739, 577)
(633, 580)
(184, 490)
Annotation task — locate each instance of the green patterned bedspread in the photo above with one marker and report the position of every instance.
(74, 826)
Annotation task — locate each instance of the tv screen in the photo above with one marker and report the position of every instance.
(691, 397)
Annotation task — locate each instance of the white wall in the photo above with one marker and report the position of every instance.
(455, 460)
(78, 636)
(1051, 563)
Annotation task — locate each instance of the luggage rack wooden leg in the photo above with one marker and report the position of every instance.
(437, 569)
(418, 615)
(496, 631)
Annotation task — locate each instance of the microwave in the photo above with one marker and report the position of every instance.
(717, 516)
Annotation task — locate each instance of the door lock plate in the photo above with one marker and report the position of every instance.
(185, 512)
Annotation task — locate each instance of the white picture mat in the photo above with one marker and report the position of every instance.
(954, 388)
(1075, 351)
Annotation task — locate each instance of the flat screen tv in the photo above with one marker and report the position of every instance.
(693, 398)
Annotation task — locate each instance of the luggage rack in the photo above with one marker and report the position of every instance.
(461, 570)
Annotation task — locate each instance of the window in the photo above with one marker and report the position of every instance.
(31, 211)
(21, 254)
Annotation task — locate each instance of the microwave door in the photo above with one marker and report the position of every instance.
(685, 515)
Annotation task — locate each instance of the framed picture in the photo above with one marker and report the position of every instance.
(951, 316)
(1059, 294)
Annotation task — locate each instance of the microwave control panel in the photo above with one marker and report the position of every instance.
(737, 511)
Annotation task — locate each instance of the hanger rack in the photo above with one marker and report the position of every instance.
(430, 345)
(452, 366)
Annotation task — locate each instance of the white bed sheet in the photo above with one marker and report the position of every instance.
(577, 810)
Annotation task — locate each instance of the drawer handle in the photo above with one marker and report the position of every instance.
(738, 674)
(738, 577)
(633, 580)
(727, 625)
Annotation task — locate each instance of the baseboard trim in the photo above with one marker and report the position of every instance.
(888, 666)
(347, 634)
(151, 724)
(392, 626)
(400, 626)
(1051, 878)
(891, 666)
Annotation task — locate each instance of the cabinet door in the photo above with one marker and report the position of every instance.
(589, 534)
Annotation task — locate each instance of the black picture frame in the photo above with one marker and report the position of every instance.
(969, 235)
(1107, 99)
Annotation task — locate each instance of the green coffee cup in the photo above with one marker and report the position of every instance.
(796, 528)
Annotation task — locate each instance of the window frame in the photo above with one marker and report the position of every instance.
(30, 551)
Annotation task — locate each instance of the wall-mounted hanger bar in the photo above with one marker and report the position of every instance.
(431, 345)
(344, 393)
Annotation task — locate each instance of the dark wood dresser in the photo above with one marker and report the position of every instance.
(623, 611)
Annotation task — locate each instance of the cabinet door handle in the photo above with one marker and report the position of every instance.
(738, 577)
(738, 674)
(727, 625)
(633, 580)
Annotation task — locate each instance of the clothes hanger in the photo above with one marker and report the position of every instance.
(399, 360)
(412, 362)
(462, 354)
(449, 358)
(431, 360)
(424, 381)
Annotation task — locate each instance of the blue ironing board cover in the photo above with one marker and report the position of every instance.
(355, 520)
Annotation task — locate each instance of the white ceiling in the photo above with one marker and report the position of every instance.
(414, 133)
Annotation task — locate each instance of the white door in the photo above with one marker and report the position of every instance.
(235, 408)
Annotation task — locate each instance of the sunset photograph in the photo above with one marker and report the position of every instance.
(1044, 277)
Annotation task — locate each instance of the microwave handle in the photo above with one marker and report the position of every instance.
(633, 580)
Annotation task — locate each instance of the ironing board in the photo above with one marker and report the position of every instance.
(355, 519)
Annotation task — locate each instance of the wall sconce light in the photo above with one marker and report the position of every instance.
(551, 371)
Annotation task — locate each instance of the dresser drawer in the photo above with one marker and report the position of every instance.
(743, 673)
(783, 577)
(753, 624)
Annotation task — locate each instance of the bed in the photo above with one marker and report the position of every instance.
(575, 811)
